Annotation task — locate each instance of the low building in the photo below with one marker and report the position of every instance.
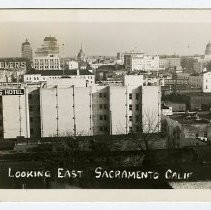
(37, 76)
(186, 130)
(166, 110)
(177, 106)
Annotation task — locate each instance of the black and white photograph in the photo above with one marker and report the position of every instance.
(105, 99)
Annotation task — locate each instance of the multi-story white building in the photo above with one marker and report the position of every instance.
(206, 86)
(14, 113)
(46, 111)
(49, 62)
(47, 56)
(141, 62)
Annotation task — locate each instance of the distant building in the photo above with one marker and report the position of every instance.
(176, 106)
(37, 76)
(207, 54)
(50, 62)
(141, 62)
(73, 65)
(133, 80)
(201, 81)
(12, 68)
(47, 56)
(202, 61)
(170, 64)
(26, 50)
(81, 55)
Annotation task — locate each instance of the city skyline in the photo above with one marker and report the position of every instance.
(108, 38)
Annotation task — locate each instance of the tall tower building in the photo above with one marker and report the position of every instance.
(208, 49)
(49, 46)
(26, 50)
(47, 56)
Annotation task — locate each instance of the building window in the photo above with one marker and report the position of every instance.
(137, 107)
(101, 128)
(130, 107)
(101, 117)
(100, 95)
(30, 108)
(31, 131)
(130, 118)
(105, 106)
(130, 96)
(101, 106)
(130, 129)
(104, 95)
(137, 96)
(105, 117)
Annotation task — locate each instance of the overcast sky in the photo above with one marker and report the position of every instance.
(107, 38)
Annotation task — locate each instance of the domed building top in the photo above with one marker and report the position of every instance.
(208, 49)
(26, 42)
(81, 55)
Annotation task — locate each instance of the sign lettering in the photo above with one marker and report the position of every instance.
(11, 92)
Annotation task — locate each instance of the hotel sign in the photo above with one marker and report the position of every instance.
(6, 92)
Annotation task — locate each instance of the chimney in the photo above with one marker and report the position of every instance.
(78, 73)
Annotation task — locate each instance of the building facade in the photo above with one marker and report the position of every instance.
(50, 111)
(141, 62)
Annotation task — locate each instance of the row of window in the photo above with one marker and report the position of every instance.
(103, 117)
(131, 96)
(103, 128)
(46, 60)
(136, 118)
(102, 95)
(131, 107)
(103, 106)
(137, 129)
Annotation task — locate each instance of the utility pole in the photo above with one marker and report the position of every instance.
(63, 58)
